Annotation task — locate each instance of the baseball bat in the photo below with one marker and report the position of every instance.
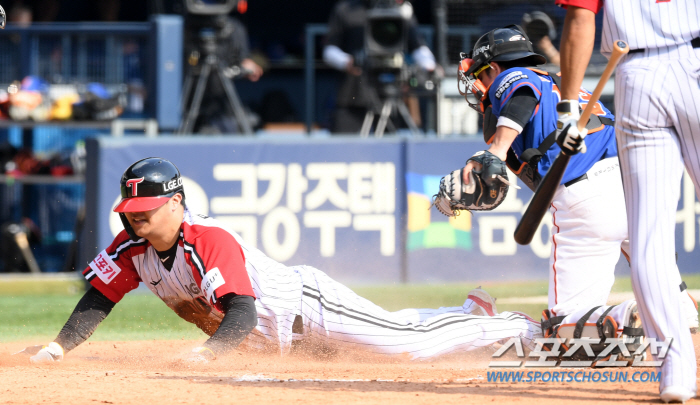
(541, 200)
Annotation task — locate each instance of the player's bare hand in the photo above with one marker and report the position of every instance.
(352, 69)
(50, 353)
(471, 165)
(569, 138)
(254, 70)
(200, 355)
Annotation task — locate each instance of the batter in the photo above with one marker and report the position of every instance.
(657, 95)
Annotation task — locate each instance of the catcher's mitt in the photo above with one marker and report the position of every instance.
(486, 190)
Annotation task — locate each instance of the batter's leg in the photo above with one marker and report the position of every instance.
(686, 120)
(689, 305)
(652, 167)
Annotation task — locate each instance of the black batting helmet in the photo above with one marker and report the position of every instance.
(504, 45)
(148, 184)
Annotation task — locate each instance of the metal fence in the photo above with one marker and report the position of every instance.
(137, 60)
(67, 53)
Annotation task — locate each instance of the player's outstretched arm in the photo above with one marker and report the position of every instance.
(240, 319)
(92, 309)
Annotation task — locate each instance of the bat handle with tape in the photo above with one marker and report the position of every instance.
(620, 48)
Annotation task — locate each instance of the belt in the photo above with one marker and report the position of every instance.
(576, 180)
(695, 43)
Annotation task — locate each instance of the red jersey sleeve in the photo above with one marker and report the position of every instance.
(218, 259)
(112, 272)
(593, 5)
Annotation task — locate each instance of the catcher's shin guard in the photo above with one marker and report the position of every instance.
(600, 332)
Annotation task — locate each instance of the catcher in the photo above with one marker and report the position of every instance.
(239, 296)
(520, 112)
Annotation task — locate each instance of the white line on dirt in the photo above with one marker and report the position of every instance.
(262, 378)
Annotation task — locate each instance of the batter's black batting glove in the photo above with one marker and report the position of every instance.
(569, 138)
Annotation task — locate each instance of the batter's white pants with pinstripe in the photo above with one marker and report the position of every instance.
(334, 314)
(657, 99)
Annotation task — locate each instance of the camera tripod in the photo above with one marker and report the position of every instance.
(211, 62)
(391, 103)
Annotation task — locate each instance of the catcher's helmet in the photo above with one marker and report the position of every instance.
(500, 45)
(504, 44)
(148, 184)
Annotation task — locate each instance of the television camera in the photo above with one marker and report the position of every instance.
(384, 65)
(206, 26)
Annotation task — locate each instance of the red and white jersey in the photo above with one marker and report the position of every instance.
(210, 261)
(644, 24)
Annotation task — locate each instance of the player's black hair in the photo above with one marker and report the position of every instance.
(182, 202)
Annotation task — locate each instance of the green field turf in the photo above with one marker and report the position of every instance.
(137, 317)
(37, 310)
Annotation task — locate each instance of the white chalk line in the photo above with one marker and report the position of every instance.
(263, 378)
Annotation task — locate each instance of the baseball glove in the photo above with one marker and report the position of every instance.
(486, 190)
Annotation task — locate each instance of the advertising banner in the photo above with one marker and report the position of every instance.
(359, 209)
(335, 204)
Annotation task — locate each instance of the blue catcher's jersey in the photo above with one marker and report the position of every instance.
(599, 144)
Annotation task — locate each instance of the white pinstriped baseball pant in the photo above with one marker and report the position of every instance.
(657, 99)
(334, 314)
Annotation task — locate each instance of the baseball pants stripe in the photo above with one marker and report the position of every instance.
(658, 134)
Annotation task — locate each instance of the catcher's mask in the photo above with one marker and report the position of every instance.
(145, 185)
(469, 86)
(506, 44)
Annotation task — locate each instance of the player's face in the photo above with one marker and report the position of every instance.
(148, 223)
(489, 75)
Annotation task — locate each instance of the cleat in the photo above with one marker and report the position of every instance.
(480, 303)
(677, 395)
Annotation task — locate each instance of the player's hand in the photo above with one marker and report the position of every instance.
(200, 355)
(352, 69)
(569, 138)
(254, 71)
(47, 354)
(466, 173)
(474, 165)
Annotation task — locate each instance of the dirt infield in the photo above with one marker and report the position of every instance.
(149, 373)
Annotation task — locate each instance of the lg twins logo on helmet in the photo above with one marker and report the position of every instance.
(172, 184)
(133, 183)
